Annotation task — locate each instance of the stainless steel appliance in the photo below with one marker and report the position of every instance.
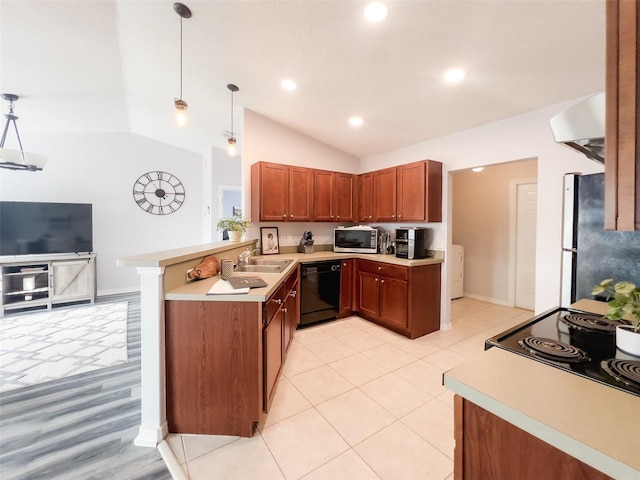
(591, 254)
(319, 291)
(357, 239)
(413, 242)
(579, 342)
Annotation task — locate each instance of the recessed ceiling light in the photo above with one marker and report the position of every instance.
(355, 121)
(375, 12)
(289, 85)
(477, 169)
(454, 75)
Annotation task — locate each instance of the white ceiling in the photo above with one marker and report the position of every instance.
(114, 65)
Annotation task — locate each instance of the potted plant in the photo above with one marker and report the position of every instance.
(235, 227)
(624, 308)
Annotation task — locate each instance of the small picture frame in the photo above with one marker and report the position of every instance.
(269, 240)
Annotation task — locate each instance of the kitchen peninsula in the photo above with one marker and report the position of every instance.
(518, 418)
(180, 316)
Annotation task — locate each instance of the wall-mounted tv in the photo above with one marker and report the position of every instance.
(35, 228)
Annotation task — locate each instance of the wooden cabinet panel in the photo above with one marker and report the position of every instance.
(343, 197)
(385, 192)
(347, 277)
(407, 300)
(622, 152)
(323, 208)
(489, 447)
(393, 302)
(213, 367)
(368, 294)
(273, 350)
(365, 198)
(433, 207)
(300, 194)
(411, 191)
(269, 191)
(281, 193)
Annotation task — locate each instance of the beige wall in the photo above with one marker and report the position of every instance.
(481, 223)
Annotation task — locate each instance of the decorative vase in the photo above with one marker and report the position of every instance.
(627, 340)
(235, 235)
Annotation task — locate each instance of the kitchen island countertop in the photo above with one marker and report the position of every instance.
(594, 423)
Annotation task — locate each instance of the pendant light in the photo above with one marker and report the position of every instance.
(231, 147)
(181, 106)
(17, 159)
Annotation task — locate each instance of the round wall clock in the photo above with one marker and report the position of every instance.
(158, 193)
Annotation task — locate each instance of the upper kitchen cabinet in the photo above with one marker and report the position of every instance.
(411, 192)
(385, 188)
(622, 159)
(365, 198)
(334, 196)
(281, 193)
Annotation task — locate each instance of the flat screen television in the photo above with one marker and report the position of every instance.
(35, 228)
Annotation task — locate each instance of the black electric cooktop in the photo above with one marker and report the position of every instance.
(579, 342)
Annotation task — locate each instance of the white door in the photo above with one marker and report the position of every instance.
(525, 254)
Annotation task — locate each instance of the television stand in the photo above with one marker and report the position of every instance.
(44, 281)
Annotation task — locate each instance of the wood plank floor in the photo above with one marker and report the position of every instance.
(80, 427)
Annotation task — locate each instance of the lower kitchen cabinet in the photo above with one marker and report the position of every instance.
(223, 360)
(404, 299)
(486, 446)
(347, 279)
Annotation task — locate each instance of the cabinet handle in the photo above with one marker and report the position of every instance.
(400, 216)
(376, 279)
(284, 310)
(381, 281)
(393, 216)
(331, 216)
(379, 268)
(277, 300)
(290, 216)
(338, 217)
(369, 216)
(284, 216)
(344, 264)
(293, 293)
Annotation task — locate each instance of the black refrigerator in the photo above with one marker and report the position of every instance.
(591, 254)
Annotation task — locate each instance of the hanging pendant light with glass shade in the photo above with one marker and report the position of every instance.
(231, 147)
(181, 106)
(10, 158)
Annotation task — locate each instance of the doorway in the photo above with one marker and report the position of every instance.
(499, 252)
(229, 203)
(524, 205)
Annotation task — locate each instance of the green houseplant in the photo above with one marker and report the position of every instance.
(234, 224)
(624, 308)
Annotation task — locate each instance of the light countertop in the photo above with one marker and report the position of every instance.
(197, 290)
(594, 423)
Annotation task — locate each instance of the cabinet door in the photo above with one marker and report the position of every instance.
(411, 191)
(346, 286)
(433, 207)
(71, 279)
(323, 208)
(365, 198)
(385, 202)
(622, 166)
(273, 347)
(300, 194)
(368, 294)
(393, 302)
(343, 197)
(270, 191)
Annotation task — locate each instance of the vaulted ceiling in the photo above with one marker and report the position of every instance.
(114, 65)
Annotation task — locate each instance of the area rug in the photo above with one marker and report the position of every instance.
(47, 345)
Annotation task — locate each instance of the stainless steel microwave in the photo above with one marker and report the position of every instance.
(360, 239)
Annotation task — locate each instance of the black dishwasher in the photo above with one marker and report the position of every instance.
(319, 291)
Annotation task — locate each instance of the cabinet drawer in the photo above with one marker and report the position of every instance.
(275, 301)
(392, 271)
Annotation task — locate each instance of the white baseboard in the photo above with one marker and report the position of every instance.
(496, 301)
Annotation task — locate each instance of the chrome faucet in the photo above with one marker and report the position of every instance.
(244, 256)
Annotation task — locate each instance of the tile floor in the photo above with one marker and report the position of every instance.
(355, 401)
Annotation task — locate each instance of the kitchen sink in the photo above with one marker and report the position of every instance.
(259, 265)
